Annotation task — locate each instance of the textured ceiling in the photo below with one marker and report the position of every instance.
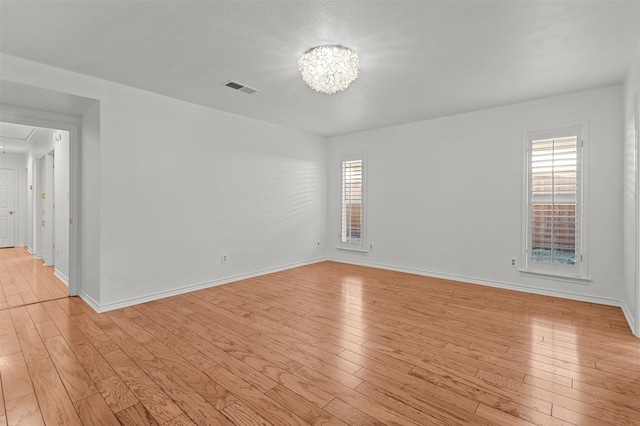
(419, 59)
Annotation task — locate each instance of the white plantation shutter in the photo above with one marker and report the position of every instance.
(352, 206)
(553, 208)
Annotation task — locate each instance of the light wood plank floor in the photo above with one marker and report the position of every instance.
(328, 344)
(24, 280)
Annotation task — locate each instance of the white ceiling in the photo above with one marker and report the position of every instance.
(17, 132)
(15, 138)
(419, 59)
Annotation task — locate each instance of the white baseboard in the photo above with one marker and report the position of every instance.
(630, 320)
(89, 300)
(507, 286)
(100, 308)
(61, 277)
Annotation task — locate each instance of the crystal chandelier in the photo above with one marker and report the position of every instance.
(329, 69)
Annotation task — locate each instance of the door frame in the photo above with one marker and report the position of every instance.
(636, 113)
(74, 145)
(15, 201)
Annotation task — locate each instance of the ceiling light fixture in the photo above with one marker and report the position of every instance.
(329, 69)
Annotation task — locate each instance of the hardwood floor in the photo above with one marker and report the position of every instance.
(24, 280)
(322, 344)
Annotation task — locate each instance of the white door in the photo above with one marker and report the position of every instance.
(7, 208)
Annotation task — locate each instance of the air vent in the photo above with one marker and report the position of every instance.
(241, 87)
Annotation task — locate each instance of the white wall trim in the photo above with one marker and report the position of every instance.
(498, 284)
(61, 277)
(189, 288)
(90, 301)
(627, 314)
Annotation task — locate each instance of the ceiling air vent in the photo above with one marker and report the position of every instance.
(241, 87)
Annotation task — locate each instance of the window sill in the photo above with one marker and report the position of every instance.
(355, 250)
(565, 278)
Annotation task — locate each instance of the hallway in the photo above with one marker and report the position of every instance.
(24, 280)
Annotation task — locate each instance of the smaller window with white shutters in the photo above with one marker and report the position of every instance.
(554, 183)
(352, 205)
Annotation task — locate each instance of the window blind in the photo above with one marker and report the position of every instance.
(554, 200)
(352, 218)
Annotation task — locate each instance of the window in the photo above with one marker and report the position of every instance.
(352, 205)
(554, 198)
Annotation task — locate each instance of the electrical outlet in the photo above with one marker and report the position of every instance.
(224, 257)
(318, 244)
(513, 262)
(370, 246)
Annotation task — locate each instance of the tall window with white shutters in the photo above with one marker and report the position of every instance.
(352, 205)
(554, 201)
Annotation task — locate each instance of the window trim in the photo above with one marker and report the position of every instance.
(579, 273)
(362, 245)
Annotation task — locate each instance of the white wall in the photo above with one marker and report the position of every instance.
(180, 184)
(445, 195)
(18, 162)
(631, 195)
(89, 206)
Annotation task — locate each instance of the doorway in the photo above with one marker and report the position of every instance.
(48, 186)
